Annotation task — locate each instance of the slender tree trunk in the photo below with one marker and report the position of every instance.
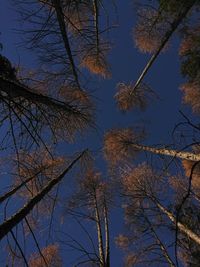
(107, 236)
(183, 228)
(167, 152)
(163, 248)
(99, 234)
(160, 243)
(167, 36)
(14, 190)
(10, 223)
(96, 22)
(60, 17)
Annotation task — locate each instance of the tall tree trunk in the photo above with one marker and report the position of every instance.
(183, 228)
(167, 36)
(107, 237)
(10, 223)
(14, 190)
(167, 152)
(96, 22)
(61, 22)
(163, 248)
(99, 234)
(160, 243)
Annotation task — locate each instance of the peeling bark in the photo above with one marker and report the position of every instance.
(167, 152)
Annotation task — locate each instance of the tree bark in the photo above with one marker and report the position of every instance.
(167, 152)
(107, 235)
(99, 234)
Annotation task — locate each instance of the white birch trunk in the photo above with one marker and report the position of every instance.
(168, 152)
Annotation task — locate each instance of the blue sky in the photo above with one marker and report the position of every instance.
(126, 64)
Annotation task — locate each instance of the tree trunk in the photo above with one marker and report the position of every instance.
(99, 235)
(15, 89)
(168, 152)
(107, 239)
(8, 225)
(184, 229)
(160, 243)
(14, 190)
(61, 22)
(167, 36)
(96, 22)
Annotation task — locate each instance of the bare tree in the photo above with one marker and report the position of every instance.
(152, 34)
(144, 191)
(92, 199)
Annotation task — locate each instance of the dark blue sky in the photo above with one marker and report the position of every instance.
(126, 64)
